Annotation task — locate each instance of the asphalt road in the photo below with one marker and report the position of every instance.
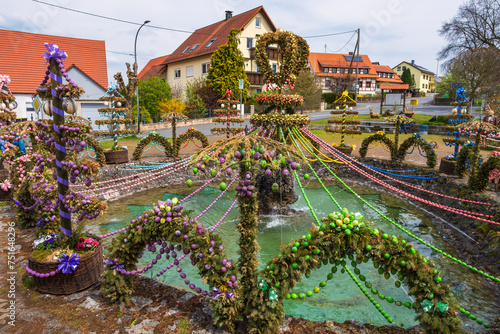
(423, 107)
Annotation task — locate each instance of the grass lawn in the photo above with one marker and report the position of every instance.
(130, 141)
(418, 118)
(356, 140)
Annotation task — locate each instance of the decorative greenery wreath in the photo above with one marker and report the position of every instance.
(185, 137)
(118, 121)
(63, 91)
(221, 131)
(111, 133)
(280, 101)
(417, 140)
(99, 152)
(345, 131)
(152, 137)
(347, 112)
(287, 120)
(380, 136)
(295, 52)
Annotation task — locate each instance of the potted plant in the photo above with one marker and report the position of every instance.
(448, 164)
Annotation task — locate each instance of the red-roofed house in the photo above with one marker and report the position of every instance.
(153, 68)
(331, 66)
(192, 58)
(386, 75)
(20, 58)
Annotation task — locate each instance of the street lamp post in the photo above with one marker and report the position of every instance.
(137, 90)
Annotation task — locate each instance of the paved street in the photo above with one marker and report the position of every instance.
(424, 107)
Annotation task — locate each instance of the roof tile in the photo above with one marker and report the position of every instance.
(153, 68)
(219, 30)
(20, 57)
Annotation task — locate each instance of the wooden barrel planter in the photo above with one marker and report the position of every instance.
(347, 150)
(87, 274)
(116, 157)
(447, 166)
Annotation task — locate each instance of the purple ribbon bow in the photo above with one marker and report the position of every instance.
(68, 264)
(218, 293)
(54, 52)
(113, 265)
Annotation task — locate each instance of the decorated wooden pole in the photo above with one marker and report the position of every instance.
(55, 58)
(227, 115)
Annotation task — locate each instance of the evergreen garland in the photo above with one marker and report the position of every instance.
(479, 181)
(152, 137)
(190, 134)
(380, 136)
(422, 143)
(276, 119)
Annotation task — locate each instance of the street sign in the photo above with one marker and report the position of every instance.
(456, 85)
(37, 103)
(241, 83)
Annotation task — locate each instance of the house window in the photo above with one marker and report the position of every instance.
(189, 71)
(368, 84)
(249, 42)
(365, 71)
(275, 68)
(258, 90)
(257, 69)
(187, 47)
(342, 70)
(257, 22)
(334, 70)
(325, 69)
(423, 86)
(194, 47)
(360, 84)
(204, 68)
(212, 41)
(327, 84)
(399, 68)
(177, 73)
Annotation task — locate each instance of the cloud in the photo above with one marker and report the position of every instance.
(392, 30)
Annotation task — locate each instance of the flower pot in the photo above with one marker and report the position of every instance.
(346, 150)
(87, 274)
(447, 166)
(116, 157)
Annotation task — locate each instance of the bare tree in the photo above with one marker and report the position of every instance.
(477, 70)
(128, 90)
(476, 25)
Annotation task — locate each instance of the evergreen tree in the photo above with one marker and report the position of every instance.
(406, 77)
(227, 66)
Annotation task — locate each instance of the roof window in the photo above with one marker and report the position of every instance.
(211, 42)
(187, 47)
(194, 47)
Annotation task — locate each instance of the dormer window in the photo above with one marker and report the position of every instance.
(187, 47)
(194, 47)
(212, 41)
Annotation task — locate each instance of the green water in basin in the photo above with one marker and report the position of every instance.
(341, 299)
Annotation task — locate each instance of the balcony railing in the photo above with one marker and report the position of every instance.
(272, 53)
(255, 78)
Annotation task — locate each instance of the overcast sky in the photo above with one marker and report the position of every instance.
(391, 30)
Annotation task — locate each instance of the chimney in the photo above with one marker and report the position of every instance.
(229, 14)
(351, 53)
(413, 62)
